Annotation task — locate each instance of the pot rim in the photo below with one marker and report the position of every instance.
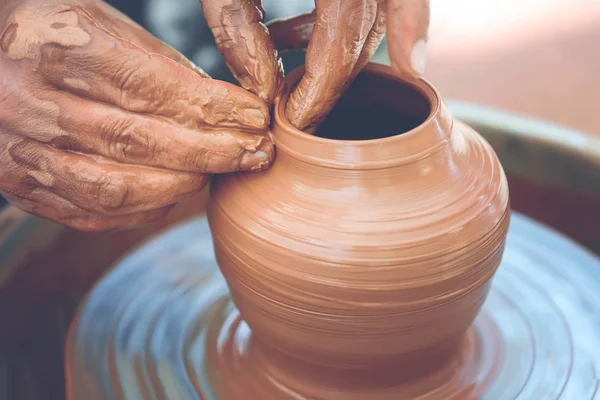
(405, 147)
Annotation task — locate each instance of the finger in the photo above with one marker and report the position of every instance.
(374, 38)
(292, 33)
(98, 185)
(407, 27)
(339, 34)
(124, 27)
(245, 44)
(45, 204)
(147, 140)
(77, 55)
(295, 33)
(68, 122)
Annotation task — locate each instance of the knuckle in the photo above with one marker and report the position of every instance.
(125, 73)
(131, 79)
(127, 141)
(198, 160)
(113, 194)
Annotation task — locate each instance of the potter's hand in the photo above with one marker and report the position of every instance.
(245, 44)
(341, 36)
(341, 42)
(103, 126)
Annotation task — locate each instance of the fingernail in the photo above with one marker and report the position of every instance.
(418, 57)
(254, 161)
(256, 117)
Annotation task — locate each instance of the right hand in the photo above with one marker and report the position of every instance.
(103, 126)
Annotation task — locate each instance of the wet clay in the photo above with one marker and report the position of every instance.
(365, 254)
(245, 44)
(161, 325)
(340, 37)
(106, 119)
(118, 145)
(354, 268)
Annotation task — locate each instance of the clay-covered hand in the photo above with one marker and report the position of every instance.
(103, 126)
(340, 37)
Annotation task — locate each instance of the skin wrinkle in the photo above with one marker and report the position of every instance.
(373, 39)
(46, 204)
(117, 129)
(208, 102)
(35, 116)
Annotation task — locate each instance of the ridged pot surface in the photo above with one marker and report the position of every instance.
(365, 253)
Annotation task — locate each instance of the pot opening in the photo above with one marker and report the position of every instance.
(375, 107)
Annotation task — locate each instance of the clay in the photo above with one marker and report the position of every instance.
(118, 145)
(161, 325)
(365, 254)
(345, 36)
(340, 38)
(245, 44)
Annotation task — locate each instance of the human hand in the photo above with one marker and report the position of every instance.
(339, 44)
(103, 126)
(341, 36)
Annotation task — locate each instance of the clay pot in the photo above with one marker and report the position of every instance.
(372, 243)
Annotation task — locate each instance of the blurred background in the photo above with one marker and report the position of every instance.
(524, 73)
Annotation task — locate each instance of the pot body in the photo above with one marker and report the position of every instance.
(361, 254)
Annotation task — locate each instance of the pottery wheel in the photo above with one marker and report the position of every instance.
(161, 325)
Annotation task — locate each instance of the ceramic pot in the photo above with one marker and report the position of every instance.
(371, 243)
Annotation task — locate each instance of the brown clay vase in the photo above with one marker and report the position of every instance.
(372, 243)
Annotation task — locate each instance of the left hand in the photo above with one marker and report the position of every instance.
(341, 36)
(102, 126)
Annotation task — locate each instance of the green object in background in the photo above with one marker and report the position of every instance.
(381, 55)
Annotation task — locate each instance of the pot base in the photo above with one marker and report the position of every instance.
(162, 325)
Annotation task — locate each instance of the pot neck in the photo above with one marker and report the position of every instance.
(318, 154)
